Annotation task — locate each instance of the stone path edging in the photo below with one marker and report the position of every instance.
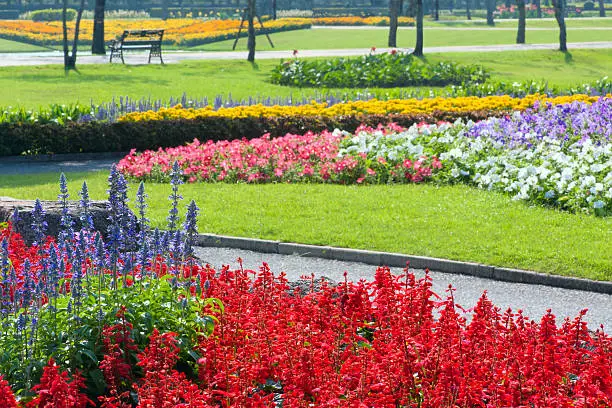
(399, 260)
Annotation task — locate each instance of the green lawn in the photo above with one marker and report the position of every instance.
(14, 46)
(329, 38)
(42, 85)
(453, 222)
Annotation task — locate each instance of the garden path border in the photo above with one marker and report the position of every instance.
(378, 258)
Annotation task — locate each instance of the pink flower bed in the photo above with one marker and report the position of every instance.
(292, 158)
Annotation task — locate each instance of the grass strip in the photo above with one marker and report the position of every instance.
(454, 222)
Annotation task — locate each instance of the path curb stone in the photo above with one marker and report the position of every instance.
(399, 260)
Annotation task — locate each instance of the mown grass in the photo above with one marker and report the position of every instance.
(330, 38)
(454, 222)
(43, 85)
(15, 46)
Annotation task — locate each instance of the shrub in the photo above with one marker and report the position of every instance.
(588, 6)
(52, 15)
(386, 70)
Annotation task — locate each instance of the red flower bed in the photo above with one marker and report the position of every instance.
(291, 158)
(390, 342)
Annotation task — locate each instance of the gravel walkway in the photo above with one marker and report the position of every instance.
(56, 58)
(534, 300)
(24, 167)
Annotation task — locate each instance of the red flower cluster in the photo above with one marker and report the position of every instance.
(7, 399)
(55, 391)
(291, 158)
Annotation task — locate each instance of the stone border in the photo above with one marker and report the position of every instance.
(399, 260)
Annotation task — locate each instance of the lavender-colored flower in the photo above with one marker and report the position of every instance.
(85, 206)
(175, 180)
(39, 225)
(190, 227)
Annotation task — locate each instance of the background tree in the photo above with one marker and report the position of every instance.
(490, 8)
(70, 58)
(467, 9)
(538, 4)
(165, 13)
(394, 11)
(418, 48)
(436, 10)
(520, 35)
(251, 30)
(273, 9)
(602, 9)
(559, 6)
(97, 46)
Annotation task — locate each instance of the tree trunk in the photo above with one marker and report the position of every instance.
(520, 35)
(490, 8)
(560, 17)
(602, 9)
(165, 9)
(273, 9)
(68, 64)
(436, 10)
(97, 46)
(467, 9)
(538, 8)
(393, 16)
(418, 48)
(251, 30)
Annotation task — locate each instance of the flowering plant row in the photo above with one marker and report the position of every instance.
(307, 158)
(376, 70)
(111, 111)
(369, 107)
(554, 155)
(180, 32)
(361, 21)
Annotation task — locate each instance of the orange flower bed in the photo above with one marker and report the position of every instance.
(187, 32)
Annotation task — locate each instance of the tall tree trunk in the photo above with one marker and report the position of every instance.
(467, 9)
(418, 48)
(251, 30)
(273, 9)
(538, 4)
(436, 10)
(520, 35)
(559, 6)
(393, 17)
(602, 9)
(165, 13)
(70, 58)
(97, 46)
(490, 8)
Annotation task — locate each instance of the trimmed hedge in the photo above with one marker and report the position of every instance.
(52, 15)
(96, 137)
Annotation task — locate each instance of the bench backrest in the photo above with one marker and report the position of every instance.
(141, 36)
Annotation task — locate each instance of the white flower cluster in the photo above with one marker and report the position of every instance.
(575, 176)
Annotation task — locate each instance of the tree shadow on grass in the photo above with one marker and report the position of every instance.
(568, 57)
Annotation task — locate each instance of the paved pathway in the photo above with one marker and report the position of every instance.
(458, 28)
(13, 167)
(46, 58)
(534, 300)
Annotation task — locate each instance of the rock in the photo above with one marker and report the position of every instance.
(305, 286)
(53, 211)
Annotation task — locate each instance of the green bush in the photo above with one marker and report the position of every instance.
(52, 15)
(388, 70)
(588, 6)
(96, 137)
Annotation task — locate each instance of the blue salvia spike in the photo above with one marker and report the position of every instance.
(39, 225)
(175, 180)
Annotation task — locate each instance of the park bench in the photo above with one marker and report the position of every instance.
(137, 40)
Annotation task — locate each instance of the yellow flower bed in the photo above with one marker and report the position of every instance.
(177, 31)
(358, 21)
(372, 107)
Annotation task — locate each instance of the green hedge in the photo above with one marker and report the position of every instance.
(52, 15)
(96, 137)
